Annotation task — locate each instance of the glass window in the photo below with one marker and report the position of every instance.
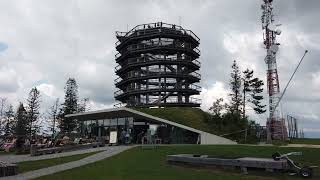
(130, 121)
(93, 122)
(121, 121)
(113, 122)
(100, 122)
(106, 122)
(87, 123)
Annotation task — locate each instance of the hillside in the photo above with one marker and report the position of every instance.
(192, 117)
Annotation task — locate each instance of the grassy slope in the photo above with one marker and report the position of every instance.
(192, 117)
(33, 165)
(5, 153)
(140, 164)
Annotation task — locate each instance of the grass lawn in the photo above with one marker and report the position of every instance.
(192, 117)
(145, 164)
(5, 153)
(33, 165)
(305, 141)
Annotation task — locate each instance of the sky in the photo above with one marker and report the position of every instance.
(43, 43)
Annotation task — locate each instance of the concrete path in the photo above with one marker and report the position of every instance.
(19, 158)
(110, 151)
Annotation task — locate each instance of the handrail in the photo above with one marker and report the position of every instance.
(194, 74)
(192, 87)
(171, 100)
(143, 60)
(158, 25)
(141, 46)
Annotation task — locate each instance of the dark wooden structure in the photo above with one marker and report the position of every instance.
(35, 151)
(247, 162)
(8, 169)
(157, 66)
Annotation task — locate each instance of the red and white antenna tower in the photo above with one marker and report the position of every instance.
(275, 128)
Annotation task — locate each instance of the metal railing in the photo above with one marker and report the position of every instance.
(190, 87)
(158, 25)
(194, 74)
(132, 61)
(142, 46)
(170, 100)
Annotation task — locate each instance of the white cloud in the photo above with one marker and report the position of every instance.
(47, 89)
(214, 92)
(8, 80)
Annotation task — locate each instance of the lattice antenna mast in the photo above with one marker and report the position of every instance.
(271, 45)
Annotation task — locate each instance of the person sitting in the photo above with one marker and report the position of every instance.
(123, 136)
(127, 138)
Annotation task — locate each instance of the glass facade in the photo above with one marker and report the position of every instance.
(138, 130)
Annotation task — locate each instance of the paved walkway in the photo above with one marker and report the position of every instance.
(19, 158)
(110, 151)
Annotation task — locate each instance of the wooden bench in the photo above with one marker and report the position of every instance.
(36, 152)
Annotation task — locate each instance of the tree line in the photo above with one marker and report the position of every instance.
(27, 121)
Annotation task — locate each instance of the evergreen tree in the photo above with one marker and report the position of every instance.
(2, 106)
(70, 106)
(2, 113)
(252, 87)
(21, 128)
(247, 77)
(235, 85)
(83, 106)
(256, 96)
(33, 107)
(9, 122)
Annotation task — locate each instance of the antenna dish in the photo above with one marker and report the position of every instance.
(278, 31)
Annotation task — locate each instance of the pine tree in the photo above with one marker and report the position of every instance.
(33, 107)
(9, 122)
(70, 106)
(252, 87)
(2, 113)
(247, 77)
(256, 96)
(21, 128)
(235, 85)
(83, 106)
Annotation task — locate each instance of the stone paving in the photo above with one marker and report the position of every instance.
(109, 151)
(19, 158)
